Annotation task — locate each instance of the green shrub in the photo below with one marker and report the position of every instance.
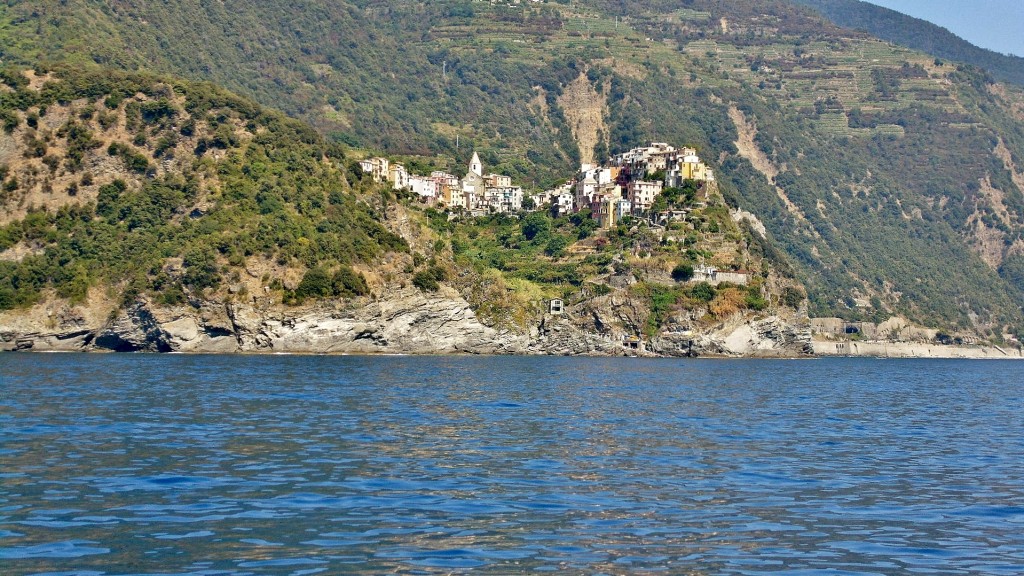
(75, 286)
(201, 270)
(13, 78)
(425, 281)
(536, 225)
(556, 246)
(34, 147)
(10, 120)
(315, 283)
(682, 272)
(106, 120)
(703, 292)
(661, 300)
(347, 282)
(792, 297)
(133, 160)
(8, 298)
(107, 201)
(80, 140)
(755, 301)
(429, 280)
(113, 101)
(157, 110)
(164, 144)
(172, 295)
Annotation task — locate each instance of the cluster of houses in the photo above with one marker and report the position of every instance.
(627, 186)
(475, 193)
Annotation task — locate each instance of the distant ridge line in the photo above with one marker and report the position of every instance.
(917, 34)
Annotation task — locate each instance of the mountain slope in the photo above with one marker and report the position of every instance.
(150, 213)
(370, 75)
(893, 183)
(918, 34)
(167, 188)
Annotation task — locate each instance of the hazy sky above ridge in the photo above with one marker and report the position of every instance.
(994, 24)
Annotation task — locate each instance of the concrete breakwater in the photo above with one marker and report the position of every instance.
(882, 349)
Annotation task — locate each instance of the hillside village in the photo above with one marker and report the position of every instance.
(630, 184)
(640, 252)
(627, 186)
(475, 193)
(887, 179)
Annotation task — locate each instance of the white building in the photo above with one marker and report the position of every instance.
(560, 198)
(641, 194)
(424, 186)
(399, 177)
(540, 199)
(476, 166)
(449, 189)
(504, 199)
(491, 193)
(714, 276)
(586, 188)
(687, 166)
(646, 159)
(609, 207)
(377, 168)
(563, 203)
(622, 208)
(474, 189)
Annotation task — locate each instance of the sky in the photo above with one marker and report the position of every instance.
(994, 24)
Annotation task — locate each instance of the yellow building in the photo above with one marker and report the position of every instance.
(687, 166)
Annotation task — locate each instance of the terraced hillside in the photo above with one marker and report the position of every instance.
(892, 180)
(149, 213)
(919, 35)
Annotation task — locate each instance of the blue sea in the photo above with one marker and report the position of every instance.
(174, 464)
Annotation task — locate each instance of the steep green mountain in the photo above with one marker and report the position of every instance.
(367, 73)
(918, 34)
(140, 184)
(892, 182)
(128, 197)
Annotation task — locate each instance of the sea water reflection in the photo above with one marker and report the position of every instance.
(133, 464)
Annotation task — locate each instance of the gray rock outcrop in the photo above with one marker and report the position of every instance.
(407, 321)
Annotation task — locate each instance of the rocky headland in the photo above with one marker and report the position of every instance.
(407, 321)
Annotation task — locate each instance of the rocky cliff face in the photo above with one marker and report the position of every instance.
(406, 322)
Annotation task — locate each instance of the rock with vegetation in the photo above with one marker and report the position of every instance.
(251, 233)
(885, 182)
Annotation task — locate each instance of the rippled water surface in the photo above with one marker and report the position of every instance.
(137, 464)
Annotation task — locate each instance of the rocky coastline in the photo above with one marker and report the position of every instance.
(406, 322)
(412, 322)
